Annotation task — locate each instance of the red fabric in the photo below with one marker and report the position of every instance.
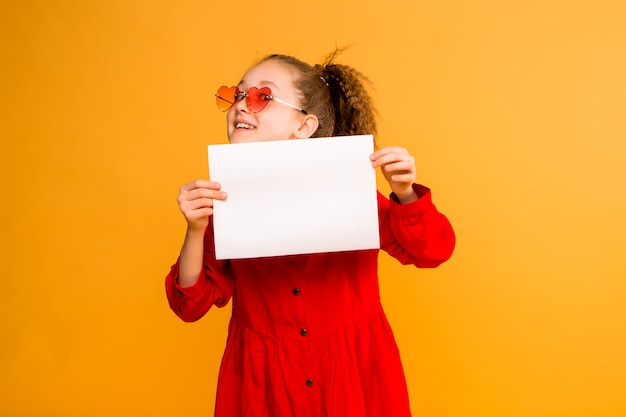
(308, 335)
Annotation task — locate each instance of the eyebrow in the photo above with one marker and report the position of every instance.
(263, 84)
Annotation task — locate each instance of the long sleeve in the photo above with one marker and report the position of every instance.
(415, 233)
(214, 286)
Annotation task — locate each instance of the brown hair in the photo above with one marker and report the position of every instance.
(335, 93)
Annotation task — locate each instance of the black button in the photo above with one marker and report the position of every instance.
(296, 291)
(303, 332)
(309, 382)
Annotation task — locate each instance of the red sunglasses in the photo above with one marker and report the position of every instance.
(256, 98)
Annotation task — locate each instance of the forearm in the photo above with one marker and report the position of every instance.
(191, 258)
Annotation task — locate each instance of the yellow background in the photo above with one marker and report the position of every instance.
(515, 111)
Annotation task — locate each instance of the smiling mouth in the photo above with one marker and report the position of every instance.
(244, 126)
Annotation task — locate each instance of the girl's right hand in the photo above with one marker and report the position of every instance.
(195, 201)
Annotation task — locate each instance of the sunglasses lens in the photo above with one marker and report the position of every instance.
(257, 98)
(225, 97)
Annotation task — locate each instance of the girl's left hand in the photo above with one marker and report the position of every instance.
(398, 167)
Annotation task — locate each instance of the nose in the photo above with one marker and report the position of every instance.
(241, 104)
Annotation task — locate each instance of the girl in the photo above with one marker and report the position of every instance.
(308, 335)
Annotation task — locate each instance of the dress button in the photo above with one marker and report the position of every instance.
(309, 382)
(303, 332)
(296, 291)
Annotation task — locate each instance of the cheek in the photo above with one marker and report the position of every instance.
(230, 114)
(277, 120)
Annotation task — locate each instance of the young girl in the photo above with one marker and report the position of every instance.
(308, 335)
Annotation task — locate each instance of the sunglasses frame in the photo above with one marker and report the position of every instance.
(241, 95)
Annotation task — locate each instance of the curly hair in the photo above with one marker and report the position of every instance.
(335, 93)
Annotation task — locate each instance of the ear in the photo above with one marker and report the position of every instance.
(308, 126)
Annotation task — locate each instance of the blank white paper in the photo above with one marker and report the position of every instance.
(296, 196)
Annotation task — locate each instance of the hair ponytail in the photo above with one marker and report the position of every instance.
(352, 105)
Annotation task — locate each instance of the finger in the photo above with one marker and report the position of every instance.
(388, 150)
(394, 160)
(198, 215)
(407, 166)
(391, 158)
(205, 193)
(201, 193)
(197, 204)
(201, 184)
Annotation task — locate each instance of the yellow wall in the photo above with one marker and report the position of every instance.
(516, 112)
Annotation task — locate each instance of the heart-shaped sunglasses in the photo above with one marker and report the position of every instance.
(256, 98)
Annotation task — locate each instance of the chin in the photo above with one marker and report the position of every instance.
(240, 137)
(236, 139)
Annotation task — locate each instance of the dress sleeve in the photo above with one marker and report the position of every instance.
(415, 233)
(214, 286)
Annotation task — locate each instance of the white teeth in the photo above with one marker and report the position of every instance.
(244, 126)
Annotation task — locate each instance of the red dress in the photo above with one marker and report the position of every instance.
(308, 335)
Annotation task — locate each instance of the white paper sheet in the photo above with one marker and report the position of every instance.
(295, 197)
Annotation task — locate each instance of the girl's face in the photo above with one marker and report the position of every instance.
(276, 121)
